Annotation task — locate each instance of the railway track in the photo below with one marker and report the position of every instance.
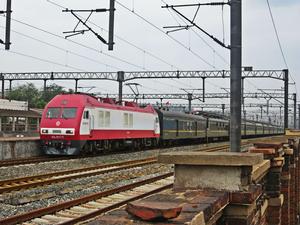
(40, 159)
(61, 176)
(14, 162)
(45, 179)
(87, 207)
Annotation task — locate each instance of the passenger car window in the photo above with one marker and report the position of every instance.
(69, 113)
(53, 113)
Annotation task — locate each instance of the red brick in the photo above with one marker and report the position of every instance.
(265, 151)
(275, 145)
(153, 210)
(247, 197)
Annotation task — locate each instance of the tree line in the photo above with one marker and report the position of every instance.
(36, 97)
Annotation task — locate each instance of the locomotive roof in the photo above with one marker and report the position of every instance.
(85, 100)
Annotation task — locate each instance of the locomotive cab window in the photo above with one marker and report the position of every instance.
(69, 113)
(86, 115)
(53, 113)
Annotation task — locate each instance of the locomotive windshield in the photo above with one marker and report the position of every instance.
(53, 113)
(65, 113)
(68, 113)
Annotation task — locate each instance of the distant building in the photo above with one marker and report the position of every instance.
(17, 118)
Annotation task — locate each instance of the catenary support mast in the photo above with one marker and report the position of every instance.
(236, 74)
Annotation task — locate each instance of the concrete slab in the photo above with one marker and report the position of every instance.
(14, 148)
(211, 158)
(212, 177)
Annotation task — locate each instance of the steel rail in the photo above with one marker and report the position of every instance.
(45, 179)
(65, 205)
(14, 162)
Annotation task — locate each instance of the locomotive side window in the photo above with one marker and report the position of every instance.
(107, 119)
(86, 115)
(69, 113)
(128, 120)
(101, 118)
(53, 113)
(125, 119)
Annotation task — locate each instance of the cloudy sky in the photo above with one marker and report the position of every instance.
(142, 44)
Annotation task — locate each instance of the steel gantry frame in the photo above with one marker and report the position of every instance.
(122, 76)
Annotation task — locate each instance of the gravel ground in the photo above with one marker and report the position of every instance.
(17, 202)
(48, 167)
(76, 188)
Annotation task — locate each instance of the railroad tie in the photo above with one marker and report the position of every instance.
(55, 219)
(82, 210)
(66, 214)
(38, 221)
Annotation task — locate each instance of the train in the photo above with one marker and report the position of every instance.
(78, 123)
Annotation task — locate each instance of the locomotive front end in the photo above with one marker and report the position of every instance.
(59, 128)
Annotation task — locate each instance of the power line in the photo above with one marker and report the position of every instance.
(201, 38)
(278, 40)
(77, 43)
(135, 46)
(44, 60)
(62, 49)
(50, 33)
(160, 30)
(122, 39)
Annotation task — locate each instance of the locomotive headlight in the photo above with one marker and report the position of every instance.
(69, 131)
(44, 131)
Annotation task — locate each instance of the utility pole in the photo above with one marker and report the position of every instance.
(298, 116)
(111, 25)
(121, 77)
(295, 109)
(8, 12)
(2, 79)
(286, 99)
(223, 109)
(76, 85)
(236, 74)
(190, 98)
(8, 22)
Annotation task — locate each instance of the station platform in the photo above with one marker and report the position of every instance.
(19, 147)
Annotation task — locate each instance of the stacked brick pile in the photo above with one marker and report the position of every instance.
(248, 207)
(273, 182)
(282, 181)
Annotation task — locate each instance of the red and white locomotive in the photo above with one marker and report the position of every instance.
(79, 122)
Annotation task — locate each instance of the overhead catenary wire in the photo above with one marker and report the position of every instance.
(123, 40)
(279, 42)
(59, 64)
(135, 46)
(77, 43)
(160, 30)
(44, 60)
(63, 49)
(198, 35)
